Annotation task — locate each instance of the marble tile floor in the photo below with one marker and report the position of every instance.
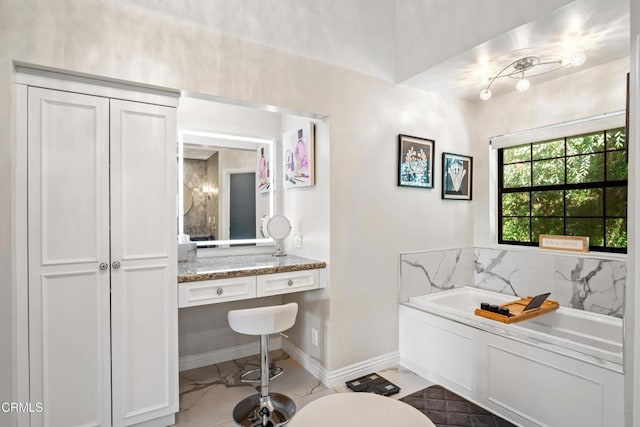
(209, 394)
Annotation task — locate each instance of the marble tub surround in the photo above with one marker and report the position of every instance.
(582, 282)
(431, 271)
(243, 265)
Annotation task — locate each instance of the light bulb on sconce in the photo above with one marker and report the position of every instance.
(485, 94)
(577, 59)
(522, 85)
(209, 189)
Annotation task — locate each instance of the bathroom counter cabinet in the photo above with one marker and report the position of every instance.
(223, 279)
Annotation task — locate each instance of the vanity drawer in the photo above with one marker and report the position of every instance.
(213, 291)
(284, 283)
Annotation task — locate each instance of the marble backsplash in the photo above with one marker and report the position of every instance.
(586, 283)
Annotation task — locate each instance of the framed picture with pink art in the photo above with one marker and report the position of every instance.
(298, 157)
(263, 168)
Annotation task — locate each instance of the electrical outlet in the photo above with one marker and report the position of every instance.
(297, 241)
(314, 336)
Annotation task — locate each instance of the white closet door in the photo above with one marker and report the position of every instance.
(68, 216)
(144, 304)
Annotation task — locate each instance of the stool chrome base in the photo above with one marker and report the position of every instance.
(273, 411)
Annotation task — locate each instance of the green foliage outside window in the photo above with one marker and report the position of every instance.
(572, 186)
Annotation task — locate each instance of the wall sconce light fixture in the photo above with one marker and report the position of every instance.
(209, 189)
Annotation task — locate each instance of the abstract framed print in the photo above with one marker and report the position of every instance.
(457, 176)
(415, 161)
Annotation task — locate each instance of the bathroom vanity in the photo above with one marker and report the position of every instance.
(231, 278)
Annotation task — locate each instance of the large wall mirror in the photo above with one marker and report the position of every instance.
(227, 166)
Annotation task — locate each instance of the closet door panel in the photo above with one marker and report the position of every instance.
(143, 239)
(68, 220)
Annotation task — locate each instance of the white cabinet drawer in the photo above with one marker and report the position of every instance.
(284, 283)
(214, 291)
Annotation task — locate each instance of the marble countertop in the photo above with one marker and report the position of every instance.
(242, 265)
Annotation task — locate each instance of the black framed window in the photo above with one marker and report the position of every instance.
(574, 186)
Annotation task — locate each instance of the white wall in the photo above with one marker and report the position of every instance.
(212, 116)
(596, 90)
(308, 209)
(632, 295)
(371, 219)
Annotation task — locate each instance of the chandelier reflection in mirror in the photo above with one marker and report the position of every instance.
(518, 70)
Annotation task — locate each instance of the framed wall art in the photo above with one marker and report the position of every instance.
(263, 168)
(457, 173)
(298, 151)
(415, 161)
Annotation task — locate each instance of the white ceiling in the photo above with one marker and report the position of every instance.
(437, 45)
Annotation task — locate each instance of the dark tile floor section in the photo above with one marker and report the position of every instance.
(447, 409)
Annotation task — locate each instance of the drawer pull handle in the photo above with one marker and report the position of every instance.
(219, 291)
(290, 282)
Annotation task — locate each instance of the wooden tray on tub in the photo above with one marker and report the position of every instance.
(517, 312)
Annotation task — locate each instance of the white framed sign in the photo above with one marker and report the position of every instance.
(564, 243)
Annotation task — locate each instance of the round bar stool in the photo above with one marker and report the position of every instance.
(359, 410)
(264, 409)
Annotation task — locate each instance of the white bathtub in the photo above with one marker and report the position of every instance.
(591, 334)
(560, 369)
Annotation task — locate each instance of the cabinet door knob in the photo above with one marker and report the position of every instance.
(104, 266)
(219, 291)
(290, 282)
(115, 265)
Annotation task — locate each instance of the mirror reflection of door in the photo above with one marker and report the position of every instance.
(242, 205)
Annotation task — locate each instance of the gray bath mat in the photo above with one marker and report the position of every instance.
(447, 409)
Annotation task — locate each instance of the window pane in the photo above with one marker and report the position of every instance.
(616, 201)
(589, 168)
(616, 233)
(518, 175)
(584, 144)
(563, 167)
(591, 227)
(546, 226)
(515, 204)
(548, 150)
(515, 229)
(616, 166)
(615, 139)
(520, 153)
(586, 202)
(548, 172)
(547, 203)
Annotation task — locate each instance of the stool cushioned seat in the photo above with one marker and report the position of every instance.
(263, 320)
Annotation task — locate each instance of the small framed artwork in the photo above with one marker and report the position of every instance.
(564, 243)
(415, 161)
(298, 151)
(457, 176)
(263, 168)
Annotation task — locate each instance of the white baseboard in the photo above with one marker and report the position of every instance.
(223, 355)
(340, 376)
(310, 364)
(328, 378)
(375, 364)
